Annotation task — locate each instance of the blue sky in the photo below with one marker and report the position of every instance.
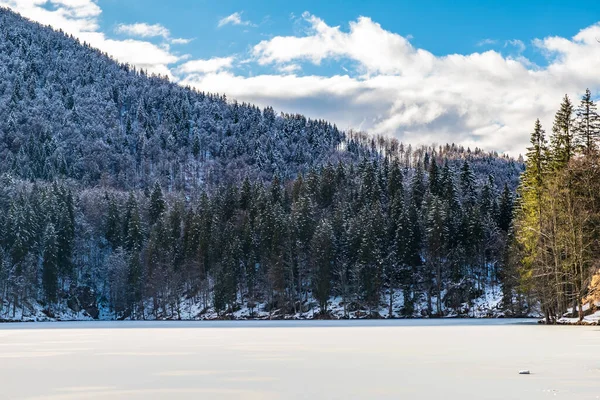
(442, 27)
(476, 73)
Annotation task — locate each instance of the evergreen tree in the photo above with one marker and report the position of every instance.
(434, 178)
(50, 264)
(437, 251)
(506, 209)
(467, 184)
(323, 253)
(157, 203)
(418, 187)
(395, 182)
(563, 135)
(588, 123)
(537, 158)
(113, 224)
(133, 234)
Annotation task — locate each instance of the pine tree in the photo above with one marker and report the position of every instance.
(276, 191)
(506, 209)
(537, 158)
(50, 264)
(370, 256)
(246, 194)
(328, 186)
(196, 146)
(588, 123)
(434, 178)
(418, 187)
(563, 135)
(467, 185)
(113, 230)
(134, 282)
(323, 253)
(133, 234)
(437, 250)
(395, 184)
(157, 203)
(530, 228)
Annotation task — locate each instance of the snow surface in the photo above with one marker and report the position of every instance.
(450, 359)
(486, 306)
(591, 319)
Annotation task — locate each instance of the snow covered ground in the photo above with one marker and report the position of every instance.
(35, 313)
(486, 306)
(591, 319)
(449, 359)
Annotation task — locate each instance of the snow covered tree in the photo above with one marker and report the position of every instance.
(323, 253)
(157, 203)
(50, 264)
(587, 123)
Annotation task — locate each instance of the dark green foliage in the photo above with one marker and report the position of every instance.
(50, 264)
(157, 203)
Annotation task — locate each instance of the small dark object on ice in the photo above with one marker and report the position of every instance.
(524, 372)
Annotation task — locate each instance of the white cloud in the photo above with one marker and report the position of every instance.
(517, 44)
(181, 41)
(205, 66)
(378, 50)
(80, 18)
(480, 99)
(487, 42)
(72, 16)
(143, 30)
(289, 68)
(233, 19)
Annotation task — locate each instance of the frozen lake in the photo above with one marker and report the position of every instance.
(450, 359)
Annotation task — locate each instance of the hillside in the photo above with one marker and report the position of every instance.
(127, 196)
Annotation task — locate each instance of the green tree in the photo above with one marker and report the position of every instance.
(588, 123)
(563, 134)
(113, 224)
(323, 253)
(133, 230)
(50, 264)
(157, 203)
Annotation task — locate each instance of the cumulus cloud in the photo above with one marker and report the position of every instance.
(517, 44)
(289, 68)
(233, 19)
(143, 30)
(480, 99)
(378, 50)
(487, 42)
(205, 66)
(181, 41)
(80, 18)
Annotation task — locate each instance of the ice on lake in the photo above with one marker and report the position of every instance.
(435, 359)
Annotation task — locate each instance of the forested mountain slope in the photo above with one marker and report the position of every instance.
(126, 196)
(71, 112)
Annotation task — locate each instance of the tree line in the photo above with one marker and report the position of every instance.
(558, 215)
(372, 234)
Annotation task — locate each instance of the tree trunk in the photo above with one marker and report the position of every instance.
(391, 309)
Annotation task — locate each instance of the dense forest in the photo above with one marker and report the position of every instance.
(361, 232)
(123, 195)
(558, 218)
